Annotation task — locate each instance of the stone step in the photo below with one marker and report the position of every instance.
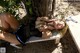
(74, 27)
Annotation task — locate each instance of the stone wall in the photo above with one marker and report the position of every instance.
(64, 9)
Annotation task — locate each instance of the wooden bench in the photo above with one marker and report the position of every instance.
(74, 27)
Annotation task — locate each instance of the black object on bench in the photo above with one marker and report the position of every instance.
(24, 33)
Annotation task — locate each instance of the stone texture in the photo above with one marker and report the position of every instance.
(64, 9)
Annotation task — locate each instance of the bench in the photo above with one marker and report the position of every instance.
(74, 27)
(56, 36)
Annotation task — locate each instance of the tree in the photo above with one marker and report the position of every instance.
(43, 7)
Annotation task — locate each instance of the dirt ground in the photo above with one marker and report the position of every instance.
(66, 45)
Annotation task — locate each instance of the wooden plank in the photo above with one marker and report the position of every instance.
(74, 28)
(38, 39)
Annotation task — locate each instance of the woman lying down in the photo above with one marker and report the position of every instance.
(15, 33)
(46, 25)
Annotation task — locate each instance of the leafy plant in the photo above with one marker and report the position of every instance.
(29, 7)
(10, 6)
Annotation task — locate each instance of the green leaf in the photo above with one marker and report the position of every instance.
(30, 11)
(28, 3)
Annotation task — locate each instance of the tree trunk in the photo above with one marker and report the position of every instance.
(43, 7)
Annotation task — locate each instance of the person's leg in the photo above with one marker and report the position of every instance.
(9, 37)
(8, 21)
